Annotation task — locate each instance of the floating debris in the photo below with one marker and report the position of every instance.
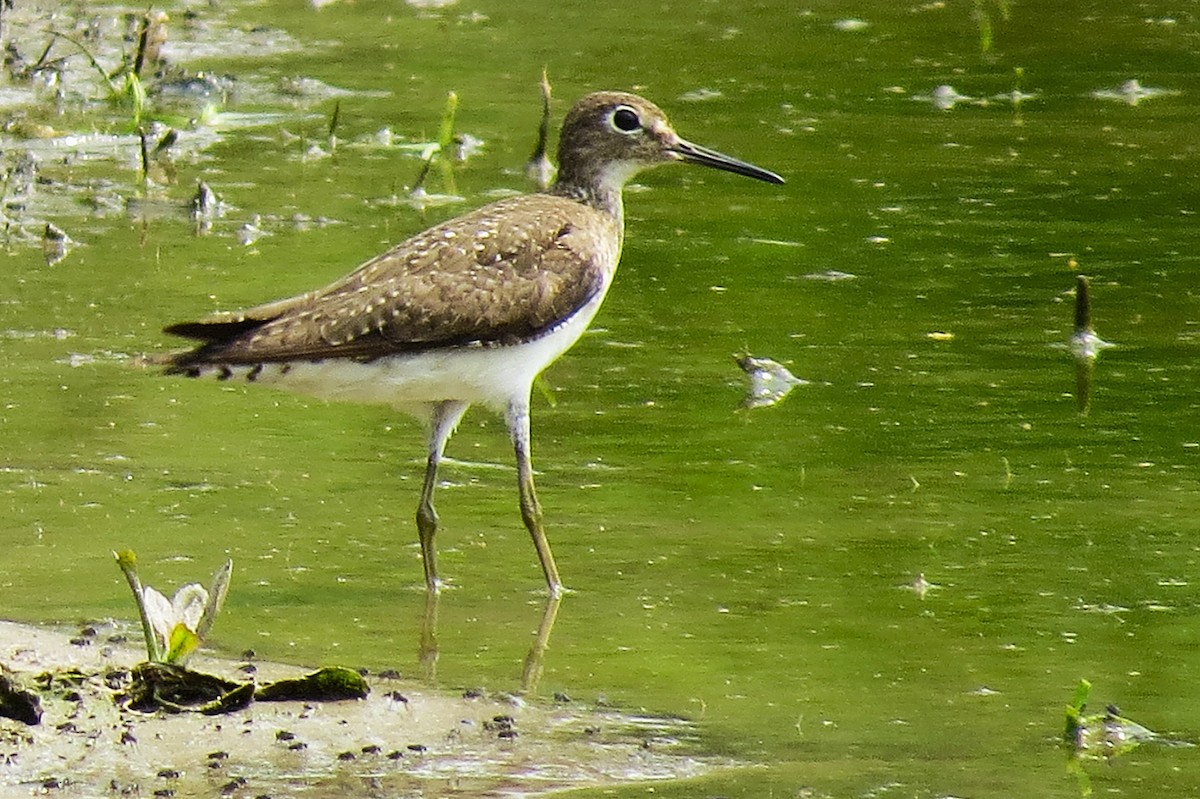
(851, 25)
(250, 232)
(1131, 92)
(944, 97)
(770, 382)
(830, 276)
(419, 199)
(310, 88)
(920, 586)
(467, 146)
(315, 152)
(55, 244)
(1016, 97)
(700, 95)
(192, 87)
(204, 207)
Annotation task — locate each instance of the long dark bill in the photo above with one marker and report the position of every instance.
(695, 154)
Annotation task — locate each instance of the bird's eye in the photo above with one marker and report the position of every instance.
(625, 119)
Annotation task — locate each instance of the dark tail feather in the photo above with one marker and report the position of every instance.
(213, 331)
(214, 335)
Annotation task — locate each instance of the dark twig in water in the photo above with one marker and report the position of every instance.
(334, 119)
(538, 168)
(144, 154)
(152, 34)
(1083, 305)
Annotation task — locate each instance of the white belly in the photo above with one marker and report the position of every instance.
(491, 375)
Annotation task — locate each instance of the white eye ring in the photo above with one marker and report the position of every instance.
(625, 120)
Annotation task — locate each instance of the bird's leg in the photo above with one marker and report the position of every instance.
(517, 418)
(446, 416)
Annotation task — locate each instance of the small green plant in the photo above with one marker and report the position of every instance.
(1073, 731)
(437, 149)
(983, 19)
(125, 85)
(175, 628)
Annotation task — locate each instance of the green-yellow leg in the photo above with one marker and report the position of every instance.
(517, 418)
(446, 416)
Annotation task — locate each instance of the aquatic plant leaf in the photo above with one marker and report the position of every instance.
(216, 598)
(181, 644)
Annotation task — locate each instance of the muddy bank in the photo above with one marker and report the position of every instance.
(402, 740)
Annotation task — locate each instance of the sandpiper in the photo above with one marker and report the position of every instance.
(471, 310)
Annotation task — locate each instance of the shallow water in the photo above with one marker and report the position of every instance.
(750, 569)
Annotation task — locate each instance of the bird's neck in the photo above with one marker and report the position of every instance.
(604, 199)
(599, 188)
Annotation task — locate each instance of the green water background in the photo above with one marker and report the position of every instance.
(747, 569)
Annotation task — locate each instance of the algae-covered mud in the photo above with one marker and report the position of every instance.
(402, 739)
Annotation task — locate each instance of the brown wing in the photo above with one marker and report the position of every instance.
(501, 274)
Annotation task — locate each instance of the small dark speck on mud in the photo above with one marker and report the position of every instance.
(285, 735)
(417, 748)
(168, 774)
(389, 674)
(298, 746)
(232, 785)
(346, 756)
(370, 749)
